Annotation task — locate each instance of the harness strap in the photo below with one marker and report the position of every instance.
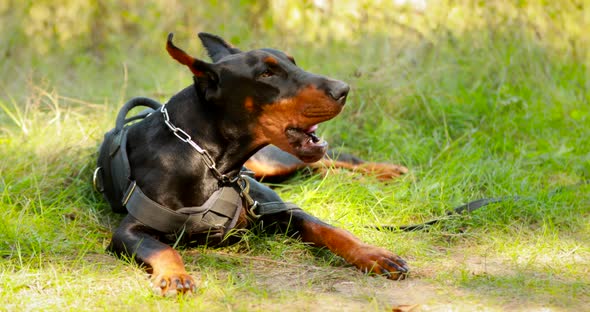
(225, 205)
(119, 164)
(267, 201)
(226, 202)
(151, 213)
(275, 207)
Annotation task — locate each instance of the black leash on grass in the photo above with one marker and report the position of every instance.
(470, 207)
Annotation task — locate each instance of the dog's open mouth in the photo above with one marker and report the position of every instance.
(306, 145)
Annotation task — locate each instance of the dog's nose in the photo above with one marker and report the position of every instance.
(338, 90)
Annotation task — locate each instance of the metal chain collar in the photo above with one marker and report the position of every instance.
(186, 138)
(240, 180)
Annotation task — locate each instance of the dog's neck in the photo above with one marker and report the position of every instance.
(228, 142)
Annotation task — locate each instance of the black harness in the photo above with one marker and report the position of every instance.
(216, 217)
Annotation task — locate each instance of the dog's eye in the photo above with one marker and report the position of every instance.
(267, 73)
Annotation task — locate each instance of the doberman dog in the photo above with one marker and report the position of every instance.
(181, 155)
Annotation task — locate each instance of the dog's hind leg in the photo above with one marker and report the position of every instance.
(273, 164)
(381, 171)
(134, 240)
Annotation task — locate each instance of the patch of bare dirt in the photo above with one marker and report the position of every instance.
(320, 288)
(343, 289)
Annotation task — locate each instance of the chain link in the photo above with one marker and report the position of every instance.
(186, 138)
(197, 147)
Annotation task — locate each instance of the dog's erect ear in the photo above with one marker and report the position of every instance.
(206, 77)
(217, 48)
(198, 67)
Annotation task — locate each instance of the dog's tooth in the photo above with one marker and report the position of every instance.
(314, 138)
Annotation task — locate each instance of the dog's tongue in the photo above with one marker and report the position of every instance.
(311, 129)
(311, 132)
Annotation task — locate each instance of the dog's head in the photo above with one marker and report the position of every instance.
(264, 91)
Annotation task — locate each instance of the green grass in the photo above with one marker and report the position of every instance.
(476, 100)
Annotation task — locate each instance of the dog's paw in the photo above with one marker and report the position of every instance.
(383, 171)
(170, 284)
(376, 260)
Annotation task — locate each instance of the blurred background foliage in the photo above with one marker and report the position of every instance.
(102, 31)
(454, 62)
(48, 27)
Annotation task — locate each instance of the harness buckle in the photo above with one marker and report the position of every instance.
(251, 210)
(129, 192)
(251, 204)
(95, 182)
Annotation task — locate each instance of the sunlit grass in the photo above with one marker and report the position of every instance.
(487, 108)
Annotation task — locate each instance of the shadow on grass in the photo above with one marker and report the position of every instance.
(528, 289)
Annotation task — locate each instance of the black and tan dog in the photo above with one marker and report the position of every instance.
(197, 143)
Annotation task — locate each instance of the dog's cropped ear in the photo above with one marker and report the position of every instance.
(198, 67)
(206, 77)
(217, 48)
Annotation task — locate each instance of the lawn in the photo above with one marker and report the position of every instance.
(477, 99)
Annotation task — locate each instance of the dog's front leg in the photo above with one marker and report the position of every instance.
(367, 258)
(132, 239)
